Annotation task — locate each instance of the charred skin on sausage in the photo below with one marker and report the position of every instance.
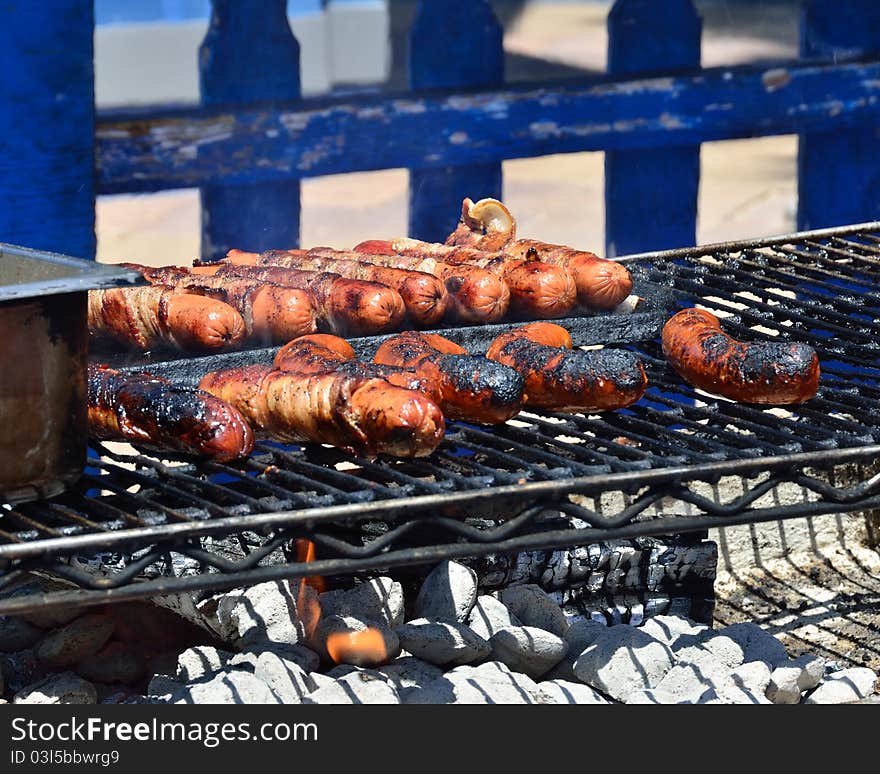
(773, 373)
(362, 416)
(473, 388)
(152, 412)
(567, 380)
(323, 353)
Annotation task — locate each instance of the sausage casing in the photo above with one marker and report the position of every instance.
(775, 373)
(152, 412)
(568, 380)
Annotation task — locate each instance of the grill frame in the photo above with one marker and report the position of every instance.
(540, 514)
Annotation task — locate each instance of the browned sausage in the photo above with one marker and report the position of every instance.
(342, 306)
(152, 412)
(488, 225)
(537, 289)
(423, 294)
(271, 313)
(322, 353)
(157, 315)
(473, 388)
(776, 373)
(568, 380)
(361, 416)
(476, 295)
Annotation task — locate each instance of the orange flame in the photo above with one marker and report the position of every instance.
(363, 647)
(357, 647)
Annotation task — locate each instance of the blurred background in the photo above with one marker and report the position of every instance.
(146, 53)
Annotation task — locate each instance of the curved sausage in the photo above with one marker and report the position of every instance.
(361, 416)
(473, 388)
(157, 315)
(568, 380)
(776, 373)
(152, 412)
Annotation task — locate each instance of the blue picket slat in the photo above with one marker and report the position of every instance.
(839, 171)
(453, 44)
(47, 126)
(651, 195)
(249, 57)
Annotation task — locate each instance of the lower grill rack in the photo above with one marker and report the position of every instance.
(677, 462)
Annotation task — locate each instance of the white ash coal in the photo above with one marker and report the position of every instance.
(446, 643)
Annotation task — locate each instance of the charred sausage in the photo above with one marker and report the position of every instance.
(567, 380)
(152, 412)
(776, 373)
(322, 353)
(473, 388)
(158, 315)
(360, 415)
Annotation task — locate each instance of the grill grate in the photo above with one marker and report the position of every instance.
(541, 481)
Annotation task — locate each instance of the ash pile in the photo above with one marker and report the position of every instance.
(442, 642)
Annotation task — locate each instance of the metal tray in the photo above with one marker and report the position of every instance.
(43, 349)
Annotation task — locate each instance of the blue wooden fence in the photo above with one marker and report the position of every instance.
(253, 139)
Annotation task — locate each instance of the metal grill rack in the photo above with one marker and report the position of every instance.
(542, 481)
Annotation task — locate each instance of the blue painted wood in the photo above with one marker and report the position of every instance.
(249, 56)
(144, 151)
(47, 126)
(839, 172)
(651, 195)
(454, 44)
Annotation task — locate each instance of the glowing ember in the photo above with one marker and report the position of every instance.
(357, 647)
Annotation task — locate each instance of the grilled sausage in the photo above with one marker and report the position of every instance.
(157, 315)
(323, 353)
(568, 380)
(272, 314)
(360, 415)
(147, 411)
(472, 388)
(342, 306)
(476, 295)
(777, 373)
(537, 289)
(488, 225)
(423, 294)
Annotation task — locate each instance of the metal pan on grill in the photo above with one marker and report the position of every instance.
(43, 350)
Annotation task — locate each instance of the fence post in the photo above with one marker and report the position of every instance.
(453, 44)
(249, 55)
(651, 195)
(47, 126)
(839, 171)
